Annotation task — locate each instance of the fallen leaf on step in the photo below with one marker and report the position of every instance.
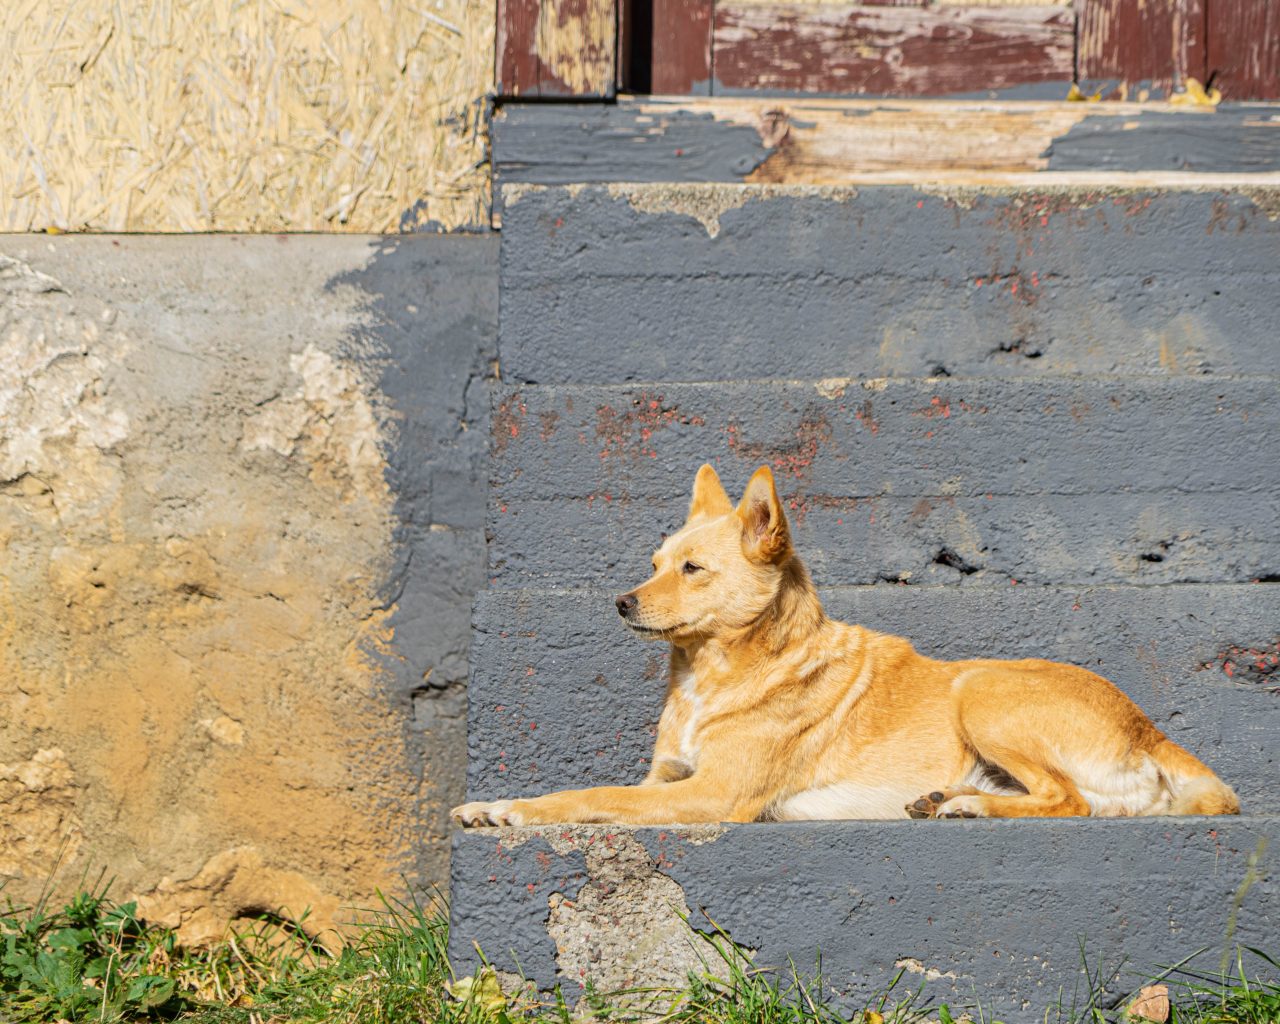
(1152, 1004)
(1074, 95)
(1195, 95)
(482, 991)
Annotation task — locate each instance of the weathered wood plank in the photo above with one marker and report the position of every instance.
(840, 141)
(556, 48)
(1244, 49)
(904, 51)
(1143, 48)
(681, 47)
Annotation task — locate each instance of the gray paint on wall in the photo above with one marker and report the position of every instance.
(431, 331)
(613, 283)
(1233, 138)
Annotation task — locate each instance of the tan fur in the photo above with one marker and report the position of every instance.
(774, 711)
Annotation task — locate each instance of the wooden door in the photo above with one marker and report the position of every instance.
(1007, 48)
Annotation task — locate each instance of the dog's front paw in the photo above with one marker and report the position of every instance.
(497, 812)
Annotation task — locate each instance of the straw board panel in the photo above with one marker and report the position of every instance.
(230, 115)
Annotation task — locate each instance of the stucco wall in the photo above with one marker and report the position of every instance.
(240, 525)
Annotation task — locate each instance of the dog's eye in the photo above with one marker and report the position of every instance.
(689, 568)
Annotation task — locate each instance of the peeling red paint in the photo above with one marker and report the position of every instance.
(506, 421)
(1250, 664)
(866, 418)
(936, 408)
(646, 417)
(794, 459)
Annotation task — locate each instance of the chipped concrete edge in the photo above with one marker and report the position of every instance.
(707, 202)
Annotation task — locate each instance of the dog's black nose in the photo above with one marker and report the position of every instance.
(626, 604)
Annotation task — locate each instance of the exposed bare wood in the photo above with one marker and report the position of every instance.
(797, 140)
(908, 51)
(556, 48)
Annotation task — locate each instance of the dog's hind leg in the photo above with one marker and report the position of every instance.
(1005, 720)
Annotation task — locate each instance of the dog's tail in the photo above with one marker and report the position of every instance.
(1193, 787)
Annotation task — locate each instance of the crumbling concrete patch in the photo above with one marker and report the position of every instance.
(238, 883)
(627, 926)
(707, 202)
(39, 824)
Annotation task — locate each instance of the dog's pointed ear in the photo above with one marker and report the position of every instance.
(764, 524)
(709, 498)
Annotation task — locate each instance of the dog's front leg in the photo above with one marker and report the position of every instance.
(684, 802)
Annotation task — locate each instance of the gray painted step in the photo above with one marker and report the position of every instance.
(607, 283)
(1047, 480)
(997, 911)
(562, 695)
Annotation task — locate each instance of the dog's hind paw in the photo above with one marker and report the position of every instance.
(956, 802)
(926, 806)
(497, 812)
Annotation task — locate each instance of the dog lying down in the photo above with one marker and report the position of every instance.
(775, 712)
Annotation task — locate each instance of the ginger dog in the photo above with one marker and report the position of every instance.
(776, 712)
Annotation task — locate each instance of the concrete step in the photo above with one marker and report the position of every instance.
(698, 281)
(997, 912)
(562, 695)
(1046, 480)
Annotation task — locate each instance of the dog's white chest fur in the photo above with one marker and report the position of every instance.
(693, 711)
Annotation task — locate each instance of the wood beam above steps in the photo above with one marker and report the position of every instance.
(817, 141)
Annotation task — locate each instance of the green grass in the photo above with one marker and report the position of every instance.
(92, 960)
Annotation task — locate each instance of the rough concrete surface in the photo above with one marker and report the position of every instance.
(601, 284)
(1047, 480)
(224, 463)
(564, 696)
(996, 911)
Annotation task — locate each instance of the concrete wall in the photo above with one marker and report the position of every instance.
(241, 521)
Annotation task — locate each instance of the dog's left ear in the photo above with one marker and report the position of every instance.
(764, 524)
(709, 498)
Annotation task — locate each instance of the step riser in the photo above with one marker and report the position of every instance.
(913, 438)
(890, 281)
(563, 696)
(998, 911)
(1071, 539)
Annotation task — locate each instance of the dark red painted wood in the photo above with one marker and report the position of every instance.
(681, 47)
(1153, 44)
(882, 50)
(1244, 48)
(556, 48)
